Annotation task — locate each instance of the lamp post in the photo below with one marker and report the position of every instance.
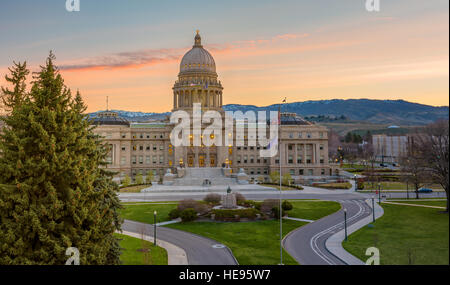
(373, 209)
(345, 223)
(279, 161)
(379, 192)
(356, 183)
(154, 227)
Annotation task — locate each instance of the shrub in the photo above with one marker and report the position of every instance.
(268, 204)
(287, 206)
(188, 215)
(275, 177)
(239, 198)
(212, 198)
(197, 206)
(149, 177)
(286, 180)
(174, 214)
(235, 215)
(252, 204)
(276, 212)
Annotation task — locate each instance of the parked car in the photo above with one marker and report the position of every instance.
(425, 190)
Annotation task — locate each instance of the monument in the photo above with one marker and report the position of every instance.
(229, 200)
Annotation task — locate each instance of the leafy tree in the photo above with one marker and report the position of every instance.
(275, 177)
(287, 179)
(55, 192)
(139, 179)
(126, 181)
(149, 177)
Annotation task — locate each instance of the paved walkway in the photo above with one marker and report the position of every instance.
(297, 219)
(334, 243)
(175, 255)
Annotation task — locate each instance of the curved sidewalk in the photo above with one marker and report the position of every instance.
(334, 243)
(198, 250)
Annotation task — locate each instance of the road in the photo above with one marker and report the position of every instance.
(199, 250)
(307, 244)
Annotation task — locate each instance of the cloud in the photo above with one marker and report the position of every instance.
(141, 58)
(121, 60)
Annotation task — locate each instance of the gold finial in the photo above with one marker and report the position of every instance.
(198, 32)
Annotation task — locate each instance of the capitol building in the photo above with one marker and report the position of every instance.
(142, 147)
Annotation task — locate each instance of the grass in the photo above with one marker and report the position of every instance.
(442, 203)
(252, 243)
(131, 254)
(389, 185)
(405, 235)
(312, 210)
(133, 189)
(144, 212)
(257, 243)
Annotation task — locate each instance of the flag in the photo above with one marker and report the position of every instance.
(206, 85)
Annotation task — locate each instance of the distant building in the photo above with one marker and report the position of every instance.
(389, 149)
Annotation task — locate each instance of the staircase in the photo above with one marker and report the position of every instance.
(196, 177)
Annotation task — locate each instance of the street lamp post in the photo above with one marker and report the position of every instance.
(379, 192)
(356, 183)
(345, 223)
(373, 209)
(154, 227)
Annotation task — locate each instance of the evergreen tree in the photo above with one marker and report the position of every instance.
(14, 97)
(54, 193)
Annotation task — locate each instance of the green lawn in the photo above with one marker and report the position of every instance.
(132, 253)
(144, 212)
(391, 185)
(283, 187)
(313, 210)
(252, 243)
(344, 185)
(442, 203)
(133, 189)
(405, 235)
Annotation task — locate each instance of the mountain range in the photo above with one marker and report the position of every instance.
(398, 112)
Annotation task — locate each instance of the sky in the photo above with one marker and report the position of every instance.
(264, 50)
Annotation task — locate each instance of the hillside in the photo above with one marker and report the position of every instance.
(378, 112)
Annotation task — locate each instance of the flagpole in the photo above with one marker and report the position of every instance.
(280, 206)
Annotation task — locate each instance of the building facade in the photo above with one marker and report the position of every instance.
(389, 149)
(143, 147)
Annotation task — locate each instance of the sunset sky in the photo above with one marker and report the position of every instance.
(264, 50)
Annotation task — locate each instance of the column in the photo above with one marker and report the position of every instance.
(208, 158)
(174, 100)
(196, 164)
(221, 99)
(296, 154)
(304, 153)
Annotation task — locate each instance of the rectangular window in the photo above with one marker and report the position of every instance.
(322, 172)
(123, 160)
(290, 159)
(310, 172)
(301, 172)
(299, 159)
(141, 159)
(239, 159)
(252, 159)
(321, 147)
(291, 135)
(133, 159)
(154, 159)
(147, 159)
(141, 147)
(161, 159)
(245, 158)
(292, 172)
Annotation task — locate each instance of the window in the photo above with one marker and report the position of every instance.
(308, 159)
(252, 159)
(141, 159)
(322, 172)
(310, 172)
(141, 136)
(124, 148)
(292, 172)
(133, 159)
(239, 159)
(161, 147)
(147, 135)
(299, 159)
(147, 148)
(123, 160)
(147, 159)
(141, 147)
(161, 159)
(154, 147)
(322, 160)
(108, 135)
(154, 159)
(277, 160)
(309, 135)
(321, 147)
(124, 136)
(300, 135)
(291, 135)
(321, 135)
(134, 148)
(290, 159)
(245, 158)
(301, 172)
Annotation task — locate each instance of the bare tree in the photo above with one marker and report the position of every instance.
(432, 143)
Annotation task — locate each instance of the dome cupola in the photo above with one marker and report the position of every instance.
(198, 59)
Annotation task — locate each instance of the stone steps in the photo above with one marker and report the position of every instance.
(196, 177)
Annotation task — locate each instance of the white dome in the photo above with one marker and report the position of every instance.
(197, 59)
